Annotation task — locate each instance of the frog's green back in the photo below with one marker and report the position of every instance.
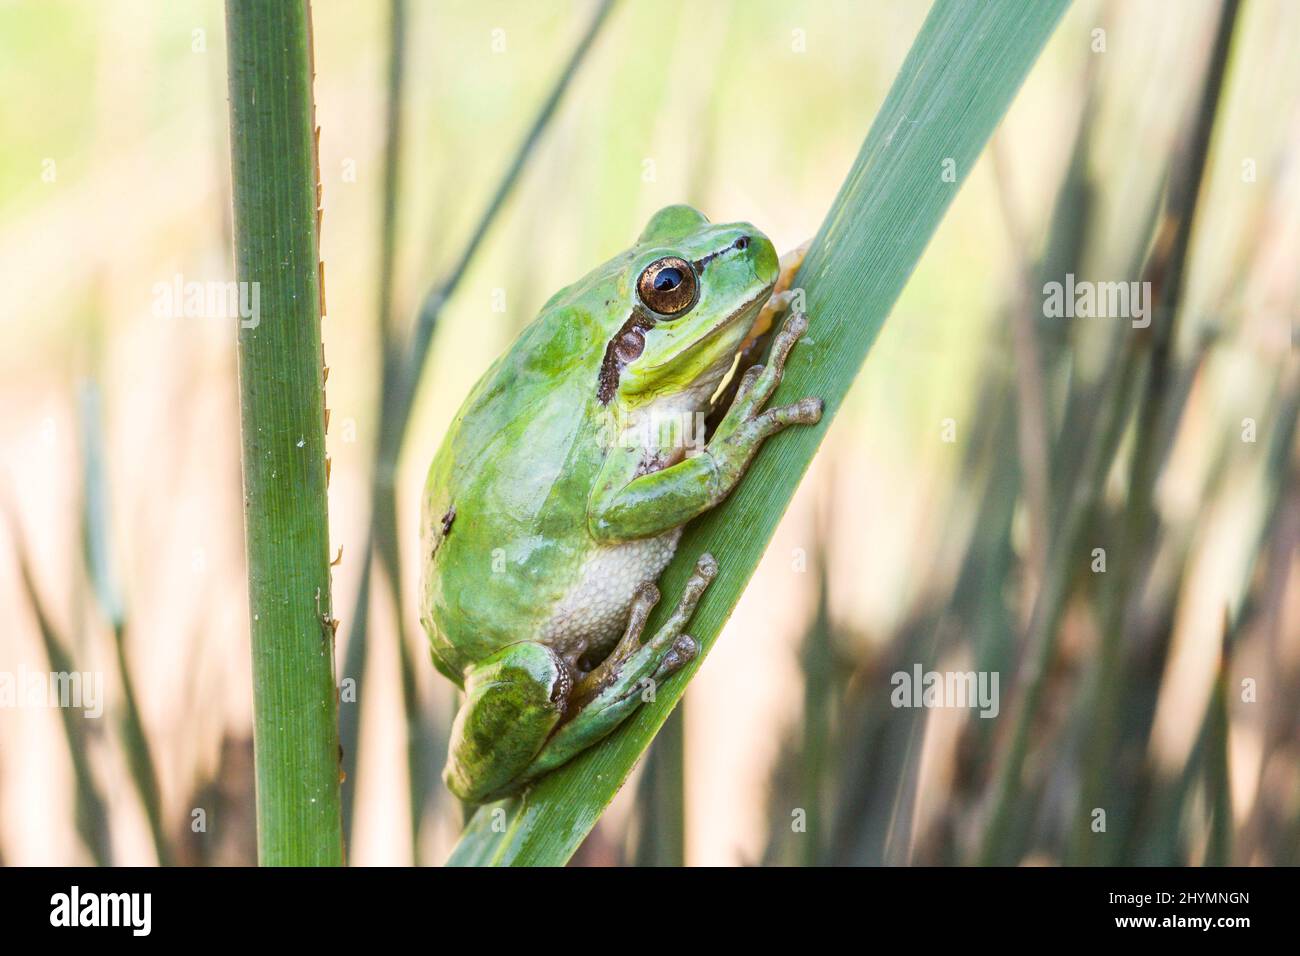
(517, 467)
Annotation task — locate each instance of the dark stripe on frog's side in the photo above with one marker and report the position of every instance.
(612, 366)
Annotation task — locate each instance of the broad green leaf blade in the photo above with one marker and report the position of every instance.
(958, 80)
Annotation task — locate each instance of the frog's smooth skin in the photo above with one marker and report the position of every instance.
(551, 509)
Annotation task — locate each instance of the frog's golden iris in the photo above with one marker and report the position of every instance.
(668, 286)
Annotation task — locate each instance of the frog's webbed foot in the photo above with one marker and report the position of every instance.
(631, 673)
(760, 334)
(743, 419)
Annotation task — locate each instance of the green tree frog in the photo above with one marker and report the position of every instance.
(561, 488)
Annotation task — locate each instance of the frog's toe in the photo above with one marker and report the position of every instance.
(793, 330)
(796, 325)
(759, 382)
(811, 410)
(748, 382)
(706, 569)
(707, 566)
(646, 594)
(806, 411)
(684, 650)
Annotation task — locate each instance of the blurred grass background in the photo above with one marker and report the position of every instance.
(119, 445)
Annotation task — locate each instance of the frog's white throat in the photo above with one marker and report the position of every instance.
(667, 429)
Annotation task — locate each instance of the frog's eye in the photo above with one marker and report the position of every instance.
(668, 286)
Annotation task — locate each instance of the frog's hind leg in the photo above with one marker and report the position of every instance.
(513, 700)
(609, 694)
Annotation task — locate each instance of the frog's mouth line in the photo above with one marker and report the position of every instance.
(750, 307)
(611, 368)
(621, 350)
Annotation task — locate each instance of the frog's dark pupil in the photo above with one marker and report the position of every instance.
(668, 279)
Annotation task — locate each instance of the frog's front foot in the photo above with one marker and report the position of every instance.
(745, 423)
